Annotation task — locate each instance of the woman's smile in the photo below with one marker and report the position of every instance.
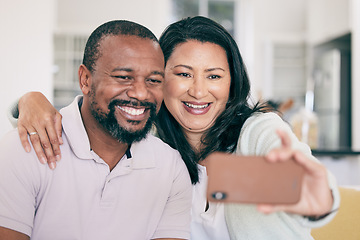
(197, 108)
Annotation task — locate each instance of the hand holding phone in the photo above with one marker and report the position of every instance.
(252, 179)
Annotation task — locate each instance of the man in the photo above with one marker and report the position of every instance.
(114, 181)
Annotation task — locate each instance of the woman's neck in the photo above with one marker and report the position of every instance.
(194, 140)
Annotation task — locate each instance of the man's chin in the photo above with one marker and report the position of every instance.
(135, 129)
(131, 137)
(130, 134)
(129, 131)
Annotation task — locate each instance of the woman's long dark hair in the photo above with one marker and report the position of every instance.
(223, 135)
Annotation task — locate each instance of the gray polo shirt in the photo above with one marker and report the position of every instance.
(147, 195)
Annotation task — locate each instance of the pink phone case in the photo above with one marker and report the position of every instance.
(251, 179)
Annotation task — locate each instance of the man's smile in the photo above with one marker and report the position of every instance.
(131, 110)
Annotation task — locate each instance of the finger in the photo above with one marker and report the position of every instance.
(58, 127)
(284, 152)
(35, 140)
(310, 166)
(54, 141)
(284, 137)
(265, 208)
(46, 145)
(268, 209)
(279, 155)
(52, 164)
(23, 134)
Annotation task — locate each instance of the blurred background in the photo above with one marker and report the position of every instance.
(300, 54)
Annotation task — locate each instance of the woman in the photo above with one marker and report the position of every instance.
(205, 109)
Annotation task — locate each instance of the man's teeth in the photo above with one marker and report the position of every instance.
(196, 106)
(132, 111)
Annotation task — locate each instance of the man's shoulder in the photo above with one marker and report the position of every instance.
(11, 149)
(156, 144)
(154, 148)
(11, 141)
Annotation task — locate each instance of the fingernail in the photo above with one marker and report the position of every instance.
(27, 148)
(43, 160)
(52, 165)
(57, 157)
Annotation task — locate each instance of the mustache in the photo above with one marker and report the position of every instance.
(133, 103)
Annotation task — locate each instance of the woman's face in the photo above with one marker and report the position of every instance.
(197, 84)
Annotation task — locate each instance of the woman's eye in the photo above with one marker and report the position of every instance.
(183, 75)
(214, 77)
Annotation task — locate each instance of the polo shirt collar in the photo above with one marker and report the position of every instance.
(143, 156)
(74, 129)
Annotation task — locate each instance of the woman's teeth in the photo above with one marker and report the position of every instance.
(132, 111)
(196, 106)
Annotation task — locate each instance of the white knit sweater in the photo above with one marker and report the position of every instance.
(258, 137)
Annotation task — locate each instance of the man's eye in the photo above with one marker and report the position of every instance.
(121, 77)
(154, 81)
(183, 75)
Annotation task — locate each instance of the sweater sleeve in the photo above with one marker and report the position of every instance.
(258, 136)
(13, 113)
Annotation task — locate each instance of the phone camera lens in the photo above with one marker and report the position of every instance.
(219, 195)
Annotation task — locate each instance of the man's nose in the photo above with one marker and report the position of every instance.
(138, 90)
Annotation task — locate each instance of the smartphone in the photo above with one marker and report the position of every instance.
(252, 179)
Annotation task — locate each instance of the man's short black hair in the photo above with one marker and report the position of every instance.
(112, 28)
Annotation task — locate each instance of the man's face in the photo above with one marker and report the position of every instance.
(126, 89)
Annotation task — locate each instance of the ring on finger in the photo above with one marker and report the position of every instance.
(33, 133)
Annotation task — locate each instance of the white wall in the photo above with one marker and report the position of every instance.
(84, 16)
(327, 19)
(275, 20)
(26, 51)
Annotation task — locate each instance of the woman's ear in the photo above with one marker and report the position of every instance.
(84, 79)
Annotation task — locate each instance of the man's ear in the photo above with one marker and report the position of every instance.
(84, 79)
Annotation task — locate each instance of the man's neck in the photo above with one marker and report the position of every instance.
(101, 142)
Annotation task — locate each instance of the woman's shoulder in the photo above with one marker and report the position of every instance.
(264, 115)
(263, 120)
(258, 134)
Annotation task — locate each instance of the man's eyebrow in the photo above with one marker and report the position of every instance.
(158, 73)
(161, 73)
(122, 69)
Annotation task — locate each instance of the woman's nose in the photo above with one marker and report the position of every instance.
(198, 89)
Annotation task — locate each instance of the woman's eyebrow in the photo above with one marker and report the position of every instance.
(215, 68)
(183, 65)
(207, 70)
